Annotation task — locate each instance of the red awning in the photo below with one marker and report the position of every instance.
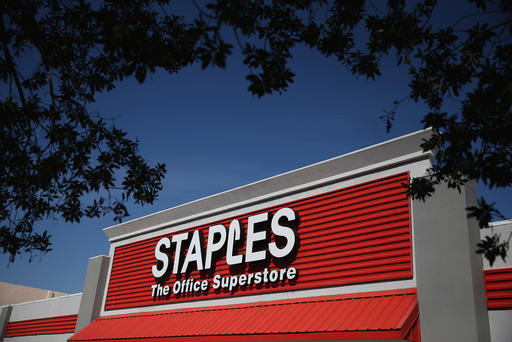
(376, 315)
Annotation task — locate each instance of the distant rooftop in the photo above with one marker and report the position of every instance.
(14, 294)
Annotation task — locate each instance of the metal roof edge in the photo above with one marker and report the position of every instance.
(363, 158)
(67, 296)
(499, 223)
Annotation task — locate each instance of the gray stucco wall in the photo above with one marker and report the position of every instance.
(40, 338)
(94, 288)
(59, 306)
(449, 273)
(5, 315)
(504, 229)
(500, 322)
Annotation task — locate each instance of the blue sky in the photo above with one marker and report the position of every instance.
(214, 135)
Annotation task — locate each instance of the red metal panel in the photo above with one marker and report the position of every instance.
(42, 326)
(352, 235)
(498, 288)
(377, 315)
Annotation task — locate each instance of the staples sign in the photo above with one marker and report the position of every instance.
(268, 236)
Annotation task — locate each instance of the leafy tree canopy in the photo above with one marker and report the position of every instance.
(54, 152)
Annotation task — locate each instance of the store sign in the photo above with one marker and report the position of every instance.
(356, 234)
(268, 236)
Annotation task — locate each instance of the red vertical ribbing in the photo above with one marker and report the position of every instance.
(498, 288)
(352, 235)
(42, 326)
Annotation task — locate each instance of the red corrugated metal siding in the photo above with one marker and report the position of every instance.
(414, 333)
(353, 235)
(378, 315)
(498, 288)
(42, 326)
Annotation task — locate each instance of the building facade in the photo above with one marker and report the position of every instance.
(332, 251)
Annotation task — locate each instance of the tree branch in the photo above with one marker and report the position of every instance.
(10, 63)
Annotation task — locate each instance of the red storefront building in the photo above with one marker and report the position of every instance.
(331, 251)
